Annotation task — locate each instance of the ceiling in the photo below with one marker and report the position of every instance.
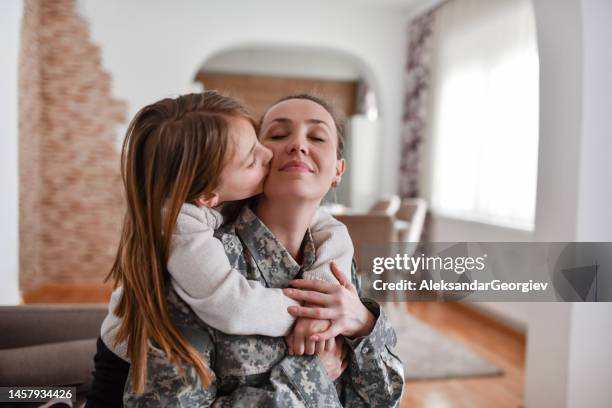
(405, 5)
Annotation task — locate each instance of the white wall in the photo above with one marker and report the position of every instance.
(560, 49)
(594, 222)
(590, 356)
(546, 370)
(287, 62)
(590, 359)
(10, 21)
(568, 350)
(154, 48)
(361, 148)
(444, 229)
(559, 28)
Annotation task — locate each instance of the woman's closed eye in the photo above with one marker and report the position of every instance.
(316, 138)
(250, 166)
(277, 136)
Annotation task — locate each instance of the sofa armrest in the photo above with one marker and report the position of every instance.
(29, 325)
(56, 364)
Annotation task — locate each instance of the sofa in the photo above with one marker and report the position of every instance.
(49, 345)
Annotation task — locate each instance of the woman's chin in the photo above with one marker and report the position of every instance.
(291, 193)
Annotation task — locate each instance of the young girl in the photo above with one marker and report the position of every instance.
(182, 157)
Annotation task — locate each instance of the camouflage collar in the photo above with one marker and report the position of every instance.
(275, 264)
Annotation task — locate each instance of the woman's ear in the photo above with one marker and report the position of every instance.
(340, 167)
(209, 200)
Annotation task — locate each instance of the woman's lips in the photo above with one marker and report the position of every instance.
(295, 166)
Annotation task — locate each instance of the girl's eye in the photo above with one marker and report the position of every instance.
(276, 137)
(250, 166)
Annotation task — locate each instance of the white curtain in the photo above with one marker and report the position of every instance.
(483, 123)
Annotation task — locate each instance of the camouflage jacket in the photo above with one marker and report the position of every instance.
(255, 371)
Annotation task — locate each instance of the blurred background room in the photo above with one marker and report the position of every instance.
(466, 120)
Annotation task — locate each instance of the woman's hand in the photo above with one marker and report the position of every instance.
(335, 359)
(339, 303)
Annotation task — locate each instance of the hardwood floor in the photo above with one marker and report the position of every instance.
(499, 344)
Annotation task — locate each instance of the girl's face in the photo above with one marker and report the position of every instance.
(302, 135)
(247, 166)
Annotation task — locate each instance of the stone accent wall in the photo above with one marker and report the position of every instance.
(70, 188)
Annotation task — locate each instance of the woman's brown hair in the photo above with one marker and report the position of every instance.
(173, 152)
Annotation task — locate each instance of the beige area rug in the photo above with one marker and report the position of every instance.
(428, 354)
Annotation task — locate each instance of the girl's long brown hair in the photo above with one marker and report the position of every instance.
(174, 151)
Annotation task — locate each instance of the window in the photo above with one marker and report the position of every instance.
(483, 122)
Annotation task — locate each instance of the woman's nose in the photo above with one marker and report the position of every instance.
(297, 146)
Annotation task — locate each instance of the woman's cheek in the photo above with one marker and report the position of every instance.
(261, 176)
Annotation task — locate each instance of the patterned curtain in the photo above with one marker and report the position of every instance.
(416, 86)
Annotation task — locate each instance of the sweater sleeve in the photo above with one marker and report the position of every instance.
(333, 243)
(110, 327)
(222, 297)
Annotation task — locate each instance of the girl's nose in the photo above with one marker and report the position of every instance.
(267, 155)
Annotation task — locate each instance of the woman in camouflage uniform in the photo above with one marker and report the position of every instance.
(263, 242)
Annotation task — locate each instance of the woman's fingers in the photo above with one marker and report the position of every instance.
(333, 330)
(318, 313)
(339, 275)
(329, 344)
(314, 284)
(308, 296)
(342, 278)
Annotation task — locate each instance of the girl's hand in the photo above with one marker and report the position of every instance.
(335, 359)
(339, 303)
(299, 343)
